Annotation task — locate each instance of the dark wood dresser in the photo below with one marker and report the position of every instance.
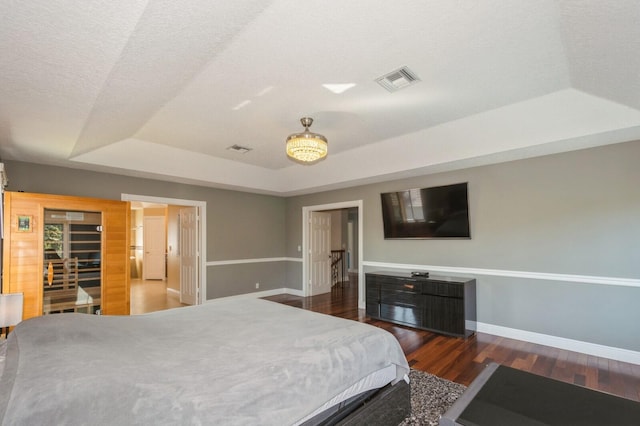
(442, 304)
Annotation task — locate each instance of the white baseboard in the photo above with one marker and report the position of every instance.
(595, 349)
(293, 292)
(173, 290)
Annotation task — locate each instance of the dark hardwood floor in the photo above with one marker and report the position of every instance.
(461, 360)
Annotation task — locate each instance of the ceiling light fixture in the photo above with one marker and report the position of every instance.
(306, 146)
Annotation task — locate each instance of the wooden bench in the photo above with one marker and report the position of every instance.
(75, 299)
(64, 290)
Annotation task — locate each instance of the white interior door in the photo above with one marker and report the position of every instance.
(350, 243)
(320, 253)
(154, 242)
(189, 257)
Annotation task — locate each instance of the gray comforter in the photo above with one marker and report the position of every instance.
(228, 362)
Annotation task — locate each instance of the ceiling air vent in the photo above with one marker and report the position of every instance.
(238, 148)
(398, 79)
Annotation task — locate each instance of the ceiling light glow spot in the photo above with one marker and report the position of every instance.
(265, 91)
(338, 88)
(241, 105)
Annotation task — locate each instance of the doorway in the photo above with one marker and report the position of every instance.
(193, 292)
(72, 259)
(307, 244)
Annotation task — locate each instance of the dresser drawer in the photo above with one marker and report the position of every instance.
(399, 297)
(373, 309)
(373, 293)
(443, 288)
(401, 284)
(408, 315)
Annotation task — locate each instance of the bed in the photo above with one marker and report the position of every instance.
(235, 361)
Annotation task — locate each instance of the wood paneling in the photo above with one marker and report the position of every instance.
(23, 263)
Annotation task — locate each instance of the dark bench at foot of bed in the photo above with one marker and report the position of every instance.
(387, 406)
(505, 396)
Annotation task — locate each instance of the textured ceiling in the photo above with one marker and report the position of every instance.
(160, 88)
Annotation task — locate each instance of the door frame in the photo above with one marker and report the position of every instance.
(306, 215)
(202, 240)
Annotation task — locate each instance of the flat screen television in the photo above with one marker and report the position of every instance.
(436, 212)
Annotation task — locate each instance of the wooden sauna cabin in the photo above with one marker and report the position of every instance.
(66, 253)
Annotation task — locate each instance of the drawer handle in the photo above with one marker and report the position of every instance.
(409, 286)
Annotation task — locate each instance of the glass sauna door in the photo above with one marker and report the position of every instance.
(72, 267)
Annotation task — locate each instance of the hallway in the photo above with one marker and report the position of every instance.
(152, 295)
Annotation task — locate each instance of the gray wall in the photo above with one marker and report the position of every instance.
(242, 278)
(239, 225)
(574, 213)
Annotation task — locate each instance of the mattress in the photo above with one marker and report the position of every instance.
(3, 355)
(376, 380)
(231, 361)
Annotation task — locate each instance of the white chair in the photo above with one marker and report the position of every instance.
(10, 310)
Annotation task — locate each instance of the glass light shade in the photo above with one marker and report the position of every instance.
(307, 146)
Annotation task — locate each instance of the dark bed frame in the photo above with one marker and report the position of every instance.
(389, 405)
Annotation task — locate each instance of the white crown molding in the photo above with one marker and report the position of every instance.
(257, 260)
(587, 279)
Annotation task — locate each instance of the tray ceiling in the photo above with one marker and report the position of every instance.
(161, 89)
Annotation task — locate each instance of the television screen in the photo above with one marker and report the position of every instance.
(437, 212)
